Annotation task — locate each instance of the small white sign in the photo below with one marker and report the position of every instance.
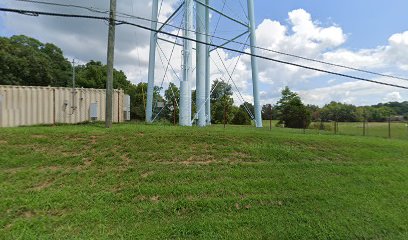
(160, 104)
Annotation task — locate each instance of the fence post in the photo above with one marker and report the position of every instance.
(270, 117)
(337, 127)
(225, 115)
(304, 126)
(174, 113)
(389, 126)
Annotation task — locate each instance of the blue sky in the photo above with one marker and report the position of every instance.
(372, 35)
(369, 23)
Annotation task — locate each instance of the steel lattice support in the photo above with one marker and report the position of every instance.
(203, 81)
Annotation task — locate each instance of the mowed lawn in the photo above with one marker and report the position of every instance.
(399, 130)
(162, 182)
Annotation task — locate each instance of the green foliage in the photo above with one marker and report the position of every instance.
(267, 111)
(172, 98)
(27, 61)
(292, 112)
(315, 112)
(221, 102)
(379, 114)
(137, 95)
(397, 107)
(94, 75)
(339, 112)
(241, 117)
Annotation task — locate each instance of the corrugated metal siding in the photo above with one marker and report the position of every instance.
(20, 105)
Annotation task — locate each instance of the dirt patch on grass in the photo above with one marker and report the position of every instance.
(199, 160)
(140, 198)
(38, 136)
(3, 142)
(208, 162)
(117, 188)
(14, 170)
(155, 199)
(50, 169)
(146, 174)
(93, 139)
(43, 185)
(32, 213)
(88, 162)
(125, 159)
(28, 214)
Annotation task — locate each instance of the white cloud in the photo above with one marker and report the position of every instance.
(308, 38)
(393, 97)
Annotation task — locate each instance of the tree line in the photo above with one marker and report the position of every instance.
(26, 61)
(292, 112)
(29, 62)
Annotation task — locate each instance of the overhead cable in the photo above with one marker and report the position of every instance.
(120, 22)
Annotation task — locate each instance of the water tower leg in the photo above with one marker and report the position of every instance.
(152, 62)
(201, 63)
(255, 77)
(185, 88)
(207, 65)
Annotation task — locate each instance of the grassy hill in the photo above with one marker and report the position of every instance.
(156, 182)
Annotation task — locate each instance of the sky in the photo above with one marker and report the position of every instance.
(367, 34)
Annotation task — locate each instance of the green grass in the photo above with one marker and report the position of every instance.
(163, 182)
(399, 130)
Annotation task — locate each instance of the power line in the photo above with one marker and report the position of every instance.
(66, 5)
(125, 15)
(120, 22)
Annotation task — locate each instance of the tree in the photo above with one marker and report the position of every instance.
(314, 111)
(267, 111)
(397, 107)
(27, 61)
(292, 112)
(241, 117)
(172, 98)
(137, 95)
(94, 75)
(339, 112)
(221, 100)
(379, 114)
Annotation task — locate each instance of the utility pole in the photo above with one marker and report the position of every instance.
(152, 62)
(110, 60)
(73, 86)
(73, 74)
(254, 62)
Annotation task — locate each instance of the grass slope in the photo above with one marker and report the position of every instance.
(155, 182)
(399, 130)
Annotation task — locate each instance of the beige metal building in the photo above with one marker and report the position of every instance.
(22, 106)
